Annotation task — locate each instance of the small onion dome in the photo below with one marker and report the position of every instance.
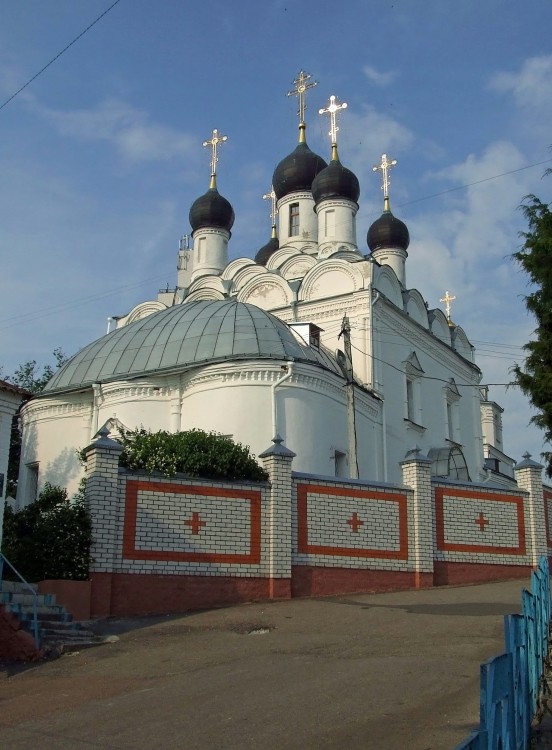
(211, 210)
(267, 250)
(297, 171)
(336, 181)
(388, 231)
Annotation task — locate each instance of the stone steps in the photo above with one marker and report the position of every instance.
(58, 632)
(25, 598)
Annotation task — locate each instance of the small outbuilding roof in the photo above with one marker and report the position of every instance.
(11, 388)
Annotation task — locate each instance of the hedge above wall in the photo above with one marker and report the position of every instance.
(194, 452)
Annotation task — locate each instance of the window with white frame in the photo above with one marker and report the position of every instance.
(411, 406)
(294, 220)
(412, 390)
(452, 411)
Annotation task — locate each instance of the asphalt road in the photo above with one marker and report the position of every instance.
(398, 670)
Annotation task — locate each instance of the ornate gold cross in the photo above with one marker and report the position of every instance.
(301, 87)
(447, 299)
(384, 166)
(332, 109)
(272, 198)
(213, 143)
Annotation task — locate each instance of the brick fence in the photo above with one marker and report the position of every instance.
(171, 545)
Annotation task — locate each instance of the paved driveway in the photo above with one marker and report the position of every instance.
(395, 671)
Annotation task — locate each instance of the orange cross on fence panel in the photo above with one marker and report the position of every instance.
(355, 523)
(195, 523)
(482, 522)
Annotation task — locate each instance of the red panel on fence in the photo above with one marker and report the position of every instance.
(451, 522)
(251, 552)
(361, 499)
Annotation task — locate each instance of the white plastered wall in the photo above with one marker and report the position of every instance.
(234, 399)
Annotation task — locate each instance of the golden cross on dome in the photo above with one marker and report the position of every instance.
(384, 166)
(213, 143)
(332, 109)
(301, 87)
(447, 299)
(272, 198)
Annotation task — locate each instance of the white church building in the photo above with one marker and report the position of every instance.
(318, 338)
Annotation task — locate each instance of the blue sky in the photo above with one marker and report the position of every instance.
(101, 155)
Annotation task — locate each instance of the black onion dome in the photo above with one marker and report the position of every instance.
(266, 251)
(297, 171)
(388, 231)
(211, 210)
(336, 181)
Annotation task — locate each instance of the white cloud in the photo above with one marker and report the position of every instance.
(368, 135)
(465, 241)
(379, 78)
(531, 86)
(127, 128)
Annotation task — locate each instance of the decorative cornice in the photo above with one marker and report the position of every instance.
(123, 389)
(211, 230)
(302, 195)
(46, 409)
(337, 203)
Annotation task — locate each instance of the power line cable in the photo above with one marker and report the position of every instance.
(477, 182)
(430, 377)
(59, 54)
(35, 314)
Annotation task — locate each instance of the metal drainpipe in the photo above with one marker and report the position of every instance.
(288, 369)
(373, 383)
(372, 362)
(384, 441)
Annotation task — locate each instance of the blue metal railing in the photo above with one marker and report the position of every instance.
(512, 681)
(4, 559)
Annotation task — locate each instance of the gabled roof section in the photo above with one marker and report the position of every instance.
(412, 365)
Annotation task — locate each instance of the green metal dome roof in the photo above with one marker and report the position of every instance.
(182, 337)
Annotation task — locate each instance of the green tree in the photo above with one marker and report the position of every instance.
(535, 257)
(49, 538)
(32, 378)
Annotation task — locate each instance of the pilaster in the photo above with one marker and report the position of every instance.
(529, 478)
(277, 461)
(102, 501)
(102, 483)
(416, 474)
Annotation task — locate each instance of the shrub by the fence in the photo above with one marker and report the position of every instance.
(49, 538)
